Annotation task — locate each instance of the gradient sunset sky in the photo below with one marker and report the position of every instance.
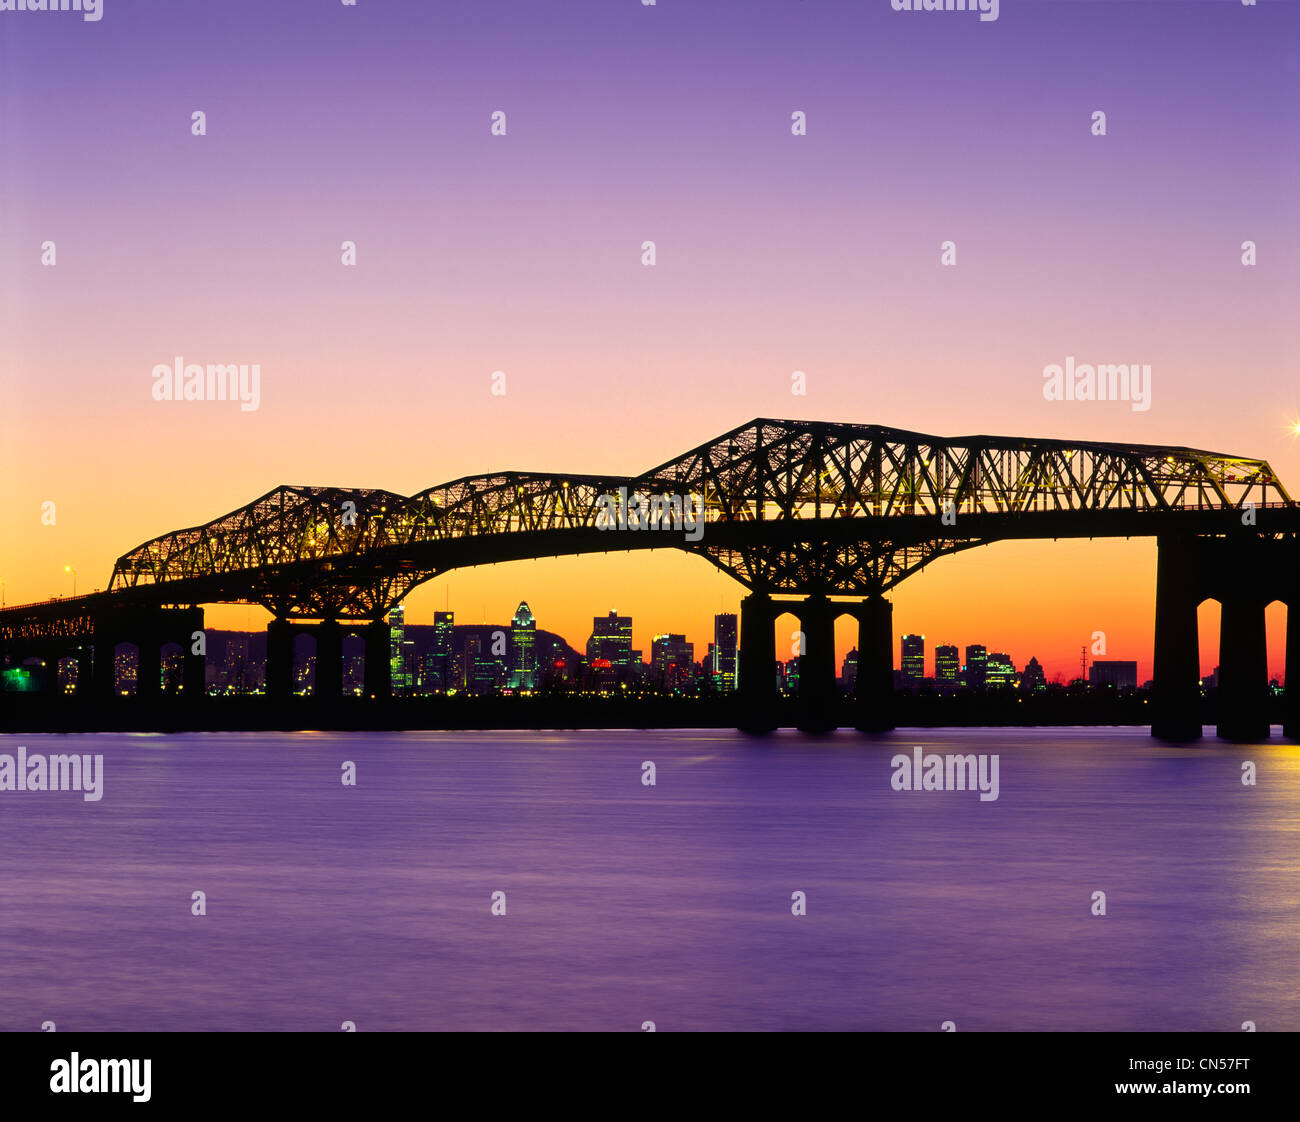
(522, 253)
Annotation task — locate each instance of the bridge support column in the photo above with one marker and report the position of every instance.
(50, 661)
(817, 666)
(85, 669)
(874, 692)
(1291, 710)
(379, 666)
(194, 667)
(758, 663)
(148, 667)
(329, 661)
(1243, 670)
(105, 676)
(279, 658)
(1176, 690)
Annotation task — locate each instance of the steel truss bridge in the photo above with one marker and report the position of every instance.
(802, 509)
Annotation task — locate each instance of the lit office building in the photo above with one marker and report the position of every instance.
(431, 673)
(913, 661)
(441, 664)
(408, 664)
(977, 662)
(611, 641)
(1000, 671)
(523, 654)
(397, 652)
(724, 651)
(483, 671)
(673, 659)
(947, 665)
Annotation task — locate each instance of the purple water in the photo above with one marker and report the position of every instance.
(672, 903)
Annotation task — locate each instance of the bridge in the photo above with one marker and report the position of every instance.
(819, 519)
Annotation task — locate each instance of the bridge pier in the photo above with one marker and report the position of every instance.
(1243, 670)
(379, 667)
(329, 661)
(1176, 689)
(758, 663)
(85, 669)
(1291, 703)
(873, 699)
(104, 676)
(817, 666)
(50, 662)
(279, 658)
(148, 667)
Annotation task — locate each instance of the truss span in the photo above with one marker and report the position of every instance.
(783, 506)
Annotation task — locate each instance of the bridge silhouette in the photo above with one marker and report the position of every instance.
(818, 519)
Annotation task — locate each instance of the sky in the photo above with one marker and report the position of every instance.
(522, 253)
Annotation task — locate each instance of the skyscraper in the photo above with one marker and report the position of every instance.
(977, 662)
(947, 665)
(523, 654)
(913, 661)
(443, 663)
(483, 670)
(724, 651)
(673, 659)
(611, 640)
(396, 629)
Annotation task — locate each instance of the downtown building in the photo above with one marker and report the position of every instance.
(397, 651)
(672, 659)
(1115, 674)
(977, 664)
(947, 667)
(1000, 671)
(913, 660)
(725, 661)
(523, 649)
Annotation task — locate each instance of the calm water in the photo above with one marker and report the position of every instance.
(670, 903)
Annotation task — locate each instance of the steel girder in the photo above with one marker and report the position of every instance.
(788, 506)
